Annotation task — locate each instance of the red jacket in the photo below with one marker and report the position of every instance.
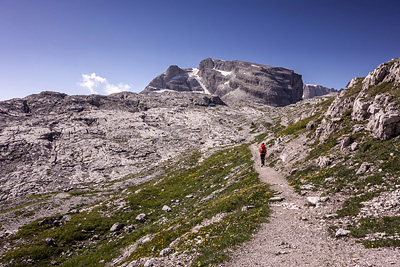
(263, 149)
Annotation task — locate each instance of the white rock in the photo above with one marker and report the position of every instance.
(166, 251)
(141, 217)
(166, 208)
(116, 227)
(341, 232)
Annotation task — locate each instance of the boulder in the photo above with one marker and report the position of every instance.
(385, 125)
(363, 168)
(141, 218)
(166, 251)
(116, 227)
(324, 162)
(346, 141)
(276, 199)
(342, 232)
(316, 200)
(166, 208)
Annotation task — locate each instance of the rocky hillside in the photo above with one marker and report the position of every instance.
(350, 154)
(233, 81)
(52, 142)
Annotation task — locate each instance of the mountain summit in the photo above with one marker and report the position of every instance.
(233, 80)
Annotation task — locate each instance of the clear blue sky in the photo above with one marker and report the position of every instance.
(50, 44)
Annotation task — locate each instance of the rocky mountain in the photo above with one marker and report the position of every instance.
(165, 177)
(312, 90)
(233, 80)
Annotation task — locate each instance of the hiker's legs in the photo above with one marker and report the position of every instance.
(262, 159)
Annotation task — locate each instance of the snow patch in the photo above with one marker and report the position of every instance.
(225, 73)
(164, 90)
(194, 74)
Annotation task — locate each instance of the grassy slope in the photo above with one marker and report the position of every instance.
(227, 176)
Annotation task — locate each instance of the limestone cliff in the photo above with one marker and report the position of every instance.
(233, 80)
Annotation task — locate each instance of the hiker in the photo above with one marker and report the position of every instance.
(263, 151)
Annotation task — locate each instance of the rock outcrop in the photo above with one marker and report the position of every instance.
(376, 102)
(373, 100)
(311, 90)
(233, 80)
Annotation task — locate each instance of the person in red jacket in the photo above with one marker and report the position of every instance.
(263, 152)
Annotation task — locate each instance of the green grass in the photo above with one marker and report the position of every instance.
(227, 175)
(386, 88)
(370, 225)
(297, 127)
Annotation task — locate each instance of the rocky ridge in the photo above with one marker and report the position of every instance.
(233, 81)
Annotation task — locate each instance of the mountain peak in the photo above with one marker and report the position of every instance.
(274, 86)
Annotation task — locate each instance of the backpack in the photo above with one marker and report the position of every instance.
(263, 150)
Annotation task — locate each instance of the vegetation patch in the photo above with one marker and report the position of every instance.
(223, 186)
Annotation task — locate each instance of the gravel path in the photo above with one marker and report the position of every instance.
(297, 235)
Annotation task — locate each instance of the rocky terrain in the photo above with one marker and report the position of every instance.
(53, 142)
(166, 178)
(232, 80)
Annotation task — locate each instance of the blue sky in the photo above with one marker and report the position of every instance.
(52, 45)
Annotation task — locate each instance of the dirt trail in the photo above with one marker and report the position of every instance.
(296, 235)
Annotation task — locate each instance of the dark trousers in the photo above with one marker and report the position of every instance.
(262, 156)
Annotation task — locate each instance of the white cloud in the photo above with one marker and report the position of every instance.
(96, 84)
(111, 88)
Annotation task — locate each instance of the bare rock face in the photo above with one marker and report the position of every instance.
(381, 111)
(311, 90)
(233, 80)
(375, 104)
(175, 79)
(385, 72)
(52, 142)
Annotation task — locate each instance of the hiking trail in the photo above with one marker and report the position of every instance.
(296, 234)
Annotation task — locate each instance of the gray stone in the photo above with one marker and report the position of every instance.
(129, 228)
(316, 200)
(166, 208)
(307, 187)
(354, 146)
(141, 217)
(116, 227)
(363, 168)
(166, 251)
(324, 162)
(346, 141)
(342, 232)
